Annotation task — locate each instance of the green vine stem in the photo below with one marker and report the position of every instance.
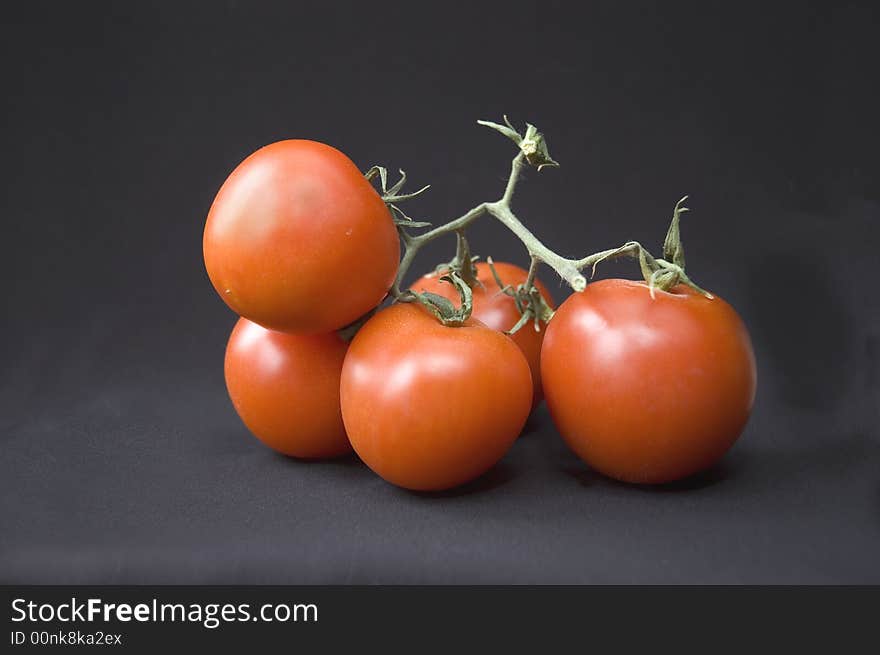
(660, 273)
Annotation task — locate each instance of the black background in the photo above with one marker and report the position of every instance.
(122, 460)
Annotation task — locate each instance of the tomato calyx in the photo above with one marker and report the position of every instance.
(660, 273)
(463, 263)
(532, 144)
(667, 272)
(391, 196)
(442, 308)
(530, 303)
(673, 249)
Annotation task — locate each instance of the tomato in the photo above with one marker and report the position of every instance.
(298, 240)
(498, 310)
(428, 406)
(285, 387)
(647, 390)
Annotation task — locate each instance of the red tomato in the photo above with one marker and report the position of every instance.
(647, 390)
(285, 387)
(427, 406)
(498, 310)
(284, 225)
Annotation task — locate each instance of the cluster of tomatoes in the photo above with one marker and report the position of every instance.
(644, 385)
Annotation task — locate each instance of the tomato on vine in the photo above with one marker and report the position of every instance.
(298, 240)
(429, 406)
(285, 388)
(649, 382)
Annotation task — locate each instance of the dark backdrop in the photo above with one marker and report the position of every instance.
(122, 460)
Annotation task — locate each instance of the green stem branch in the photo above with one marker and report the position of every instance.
(568, 269)
(533, 151)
